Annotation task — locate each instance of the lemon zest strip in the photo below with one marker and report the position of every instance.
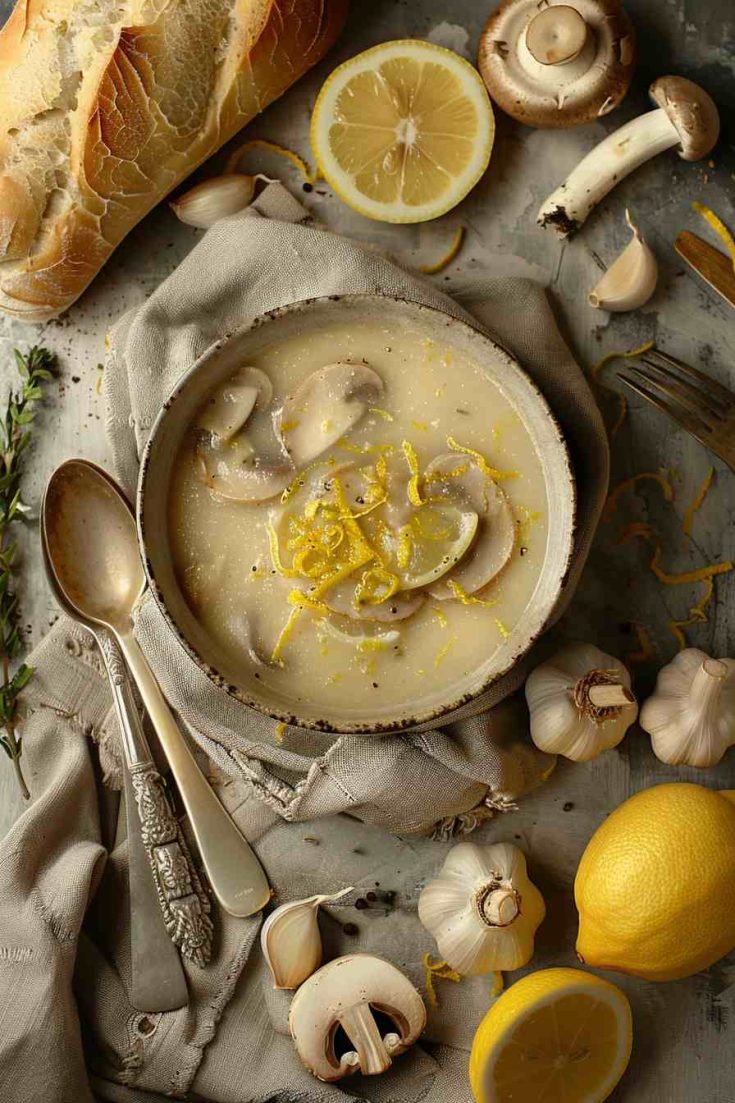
(718, 226)
(381, 413)
(454, 248)
(485, 467)
(303, 601)
(286, 633)
(465, 598)
(697, 614)
(498, 984)
(368, 590)
(287, 572)
(697, 502)
(699, 574)
(280, 731)
(414, 493)
(444, 651)
(440, 476)
(437, 970)
(616, 354)
(310, 175)
(502, 628)
(441, 616)
(628, 484)
(596, 370)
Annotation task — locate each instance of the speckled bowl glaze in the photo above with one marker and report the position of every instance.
(216, 365)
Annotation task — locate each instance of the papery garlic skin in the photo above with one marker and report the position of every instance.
(208, 202)
(580, 702)
(691, 714)
(291, 941)
(631, 279)
(482, 909)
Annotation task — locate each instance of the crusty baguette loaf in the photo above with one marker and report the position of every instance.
(106, 105)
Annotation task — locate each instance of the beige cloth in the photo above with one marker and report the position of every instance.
(66, 855)
(243, 267)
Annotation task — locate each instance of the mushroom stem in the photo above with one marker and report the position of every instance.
(556, 35)
(362, 1030)
(614, 158)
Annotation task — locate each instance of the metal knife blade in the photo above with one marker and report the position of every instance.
(158, 982)
(713, 266)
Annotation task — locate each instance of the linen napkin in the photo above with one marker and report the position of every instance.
(243, 267)
(68, 1032)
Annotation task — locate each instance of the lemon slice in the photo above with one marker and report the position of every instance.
(403, 131)
(432, 543)
(556, 1035)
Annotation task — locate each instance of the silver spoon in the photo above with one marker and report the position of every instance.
(89, 529)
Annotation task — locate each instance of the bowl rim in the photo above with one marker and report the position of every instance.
(429, 715)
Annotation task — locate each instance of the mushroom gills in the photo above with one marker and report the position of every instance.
(324, 407)
(557, 65)
(228, 408)
(460, 479)
(341, 1017)
(234, 472)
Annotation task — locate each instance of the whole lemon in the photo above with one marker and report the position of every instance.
(655, 888)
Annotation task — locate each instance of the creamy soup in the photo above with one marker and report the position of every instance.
(358, 517)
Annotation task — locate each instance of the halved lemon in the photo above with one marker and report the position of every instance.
(403, 131)
(555, 1036)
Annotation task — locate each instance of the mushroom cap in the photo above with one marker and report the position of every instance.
(342, 993)
(590, 84)
(692, 111)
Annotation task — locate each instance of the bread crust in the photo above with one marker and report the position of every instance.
(100, 120)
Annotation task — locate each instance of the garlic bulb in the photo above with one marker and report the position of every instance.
(482, 909)
(580, 702)
(208, 202)
(291, 942)
(630, 280)
(691, 713)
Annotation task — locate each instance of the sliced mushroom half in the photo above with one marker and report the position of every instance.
(234, 472)
(401, 606)
(345, 993)
(230, 405)
(460, 479)
(327, 405)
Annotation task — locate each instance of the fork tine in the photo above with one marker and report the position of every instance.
(683, 393)
(681, 417)
(717, 390)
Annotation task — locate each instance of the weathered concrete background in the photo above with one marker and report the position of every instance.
(683, 1053)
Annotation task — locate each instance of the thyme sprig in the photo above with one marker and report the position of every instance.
(35, 369)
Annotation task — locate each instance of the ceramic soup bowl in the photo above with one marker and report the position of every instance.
(433, 344)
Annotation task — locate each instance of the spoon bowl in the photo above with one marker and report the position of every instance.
(91, 545)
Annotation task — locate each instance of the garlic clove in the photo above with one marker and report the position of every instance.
(630, 280)
(291, 942)
(208, 202)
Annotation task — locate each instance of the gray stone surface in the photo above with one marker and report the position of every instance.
(682, 1051)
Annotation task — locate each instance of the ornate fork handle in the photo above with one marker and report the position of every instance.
(184, 902)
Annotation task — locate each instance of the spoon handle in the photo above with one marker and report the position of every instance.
(234, 872)
(169, 893)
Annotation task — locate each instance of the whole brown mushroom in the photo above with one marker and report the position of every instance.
(556, 64)
(685, 116)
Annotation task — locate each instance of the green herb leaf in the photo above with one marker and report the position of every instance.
(35, 369)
